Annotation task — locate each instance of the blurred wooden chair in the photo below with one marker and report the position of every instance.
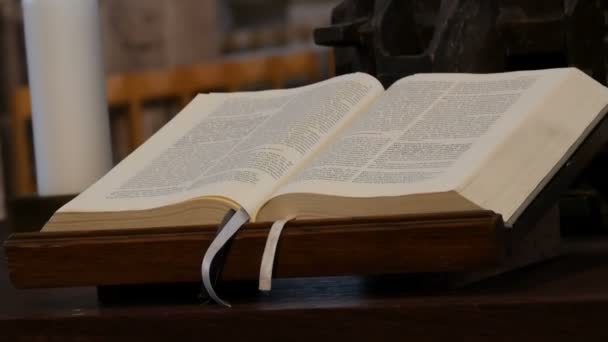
(20, 118)
(143, 87)
(247, 70)
(301, 63)
(275, 67)
(20, 147)
(199, 78)
(133, 90)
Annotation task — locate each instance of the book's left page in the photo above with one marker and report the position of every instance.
(223, 151)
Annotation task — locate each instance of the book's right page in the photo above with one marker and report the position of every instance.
(538, 144)
(446, 142)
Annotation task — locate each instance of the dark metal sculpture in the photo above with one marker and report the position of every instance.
(392, 39)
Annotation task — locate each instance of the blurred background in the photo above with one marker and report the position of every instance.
(159, 54)
(152, 42)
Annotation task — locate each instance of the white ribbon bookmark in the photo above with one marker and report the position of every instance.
(230, 228)
(272, 241)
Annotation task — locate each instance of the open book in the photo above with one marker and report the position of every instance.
(346, 147)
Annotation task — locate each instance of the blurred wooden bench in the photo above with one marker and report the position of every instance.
(134, 90)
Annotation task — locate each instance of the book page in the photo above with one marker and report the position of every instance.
(549, 134)
(234, 147)
(427, 133)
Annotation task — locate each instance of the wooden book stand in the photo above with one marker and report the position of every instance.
(473, 242)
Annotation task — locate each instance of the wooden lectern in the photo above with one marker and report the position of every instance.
(469, 245)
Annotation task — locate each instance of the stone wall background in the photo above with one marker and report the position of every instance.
(146, 34)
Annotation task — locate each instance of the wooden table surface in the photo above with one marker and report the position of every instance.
(565, 299)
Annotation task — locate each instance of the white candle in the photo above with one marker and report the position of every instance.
(67, 85)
